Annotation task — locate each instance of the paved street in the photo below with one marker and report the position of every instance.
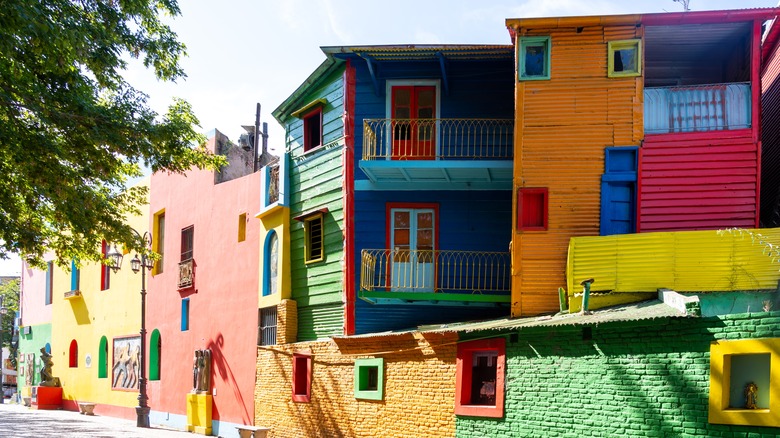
(17, 421)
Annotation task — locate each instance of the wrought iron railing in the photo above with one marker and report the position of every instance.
(435, 271)
(186, 274)
(697, 108)
(439, 139)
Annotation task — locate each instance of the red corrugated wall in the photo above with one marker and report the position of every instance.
(770, 132)
(698, 181)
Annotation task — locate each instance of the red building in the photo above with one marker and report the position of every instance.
(203, 293)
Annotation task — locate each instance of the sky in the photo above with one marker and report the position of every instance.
(244, 52)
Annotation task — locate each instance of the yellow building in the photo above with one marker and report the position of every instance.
(96, 316)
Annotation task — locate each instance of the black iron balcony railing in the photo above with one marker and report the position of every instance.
(697, 108)
(435, 271)
(438, 139)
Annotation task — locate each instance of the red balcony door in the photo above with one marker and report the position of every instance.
(414, 122)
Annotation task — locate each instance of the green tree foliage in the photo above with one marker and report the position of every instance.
(73, 132)
(9, 296)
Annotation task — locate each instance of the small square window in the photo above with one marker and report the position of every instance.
(744, 377)
(369, 379)
(301, 381)
(533, 58)
(532, 209)
(624, 58)
(266, 330)
(314, 238)
(479, 386)
(312, 130)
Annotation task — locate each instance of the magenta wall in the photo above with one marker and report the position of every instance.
(698, 181)
(223, 302)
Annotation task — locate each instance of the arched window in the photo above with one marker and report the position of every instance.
(271, 264)
(155, 354)
(103, 358)
(73, 355)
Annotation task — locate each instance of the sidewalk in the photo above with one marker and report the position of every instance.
(17, 421)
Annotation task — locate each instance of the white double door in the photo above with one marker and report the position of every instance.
(412, 235)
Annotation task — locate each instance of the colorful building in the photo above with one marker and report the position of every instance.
(202, 294)
(35, 307)
(95, 340)
(626, 124)
(400, 168)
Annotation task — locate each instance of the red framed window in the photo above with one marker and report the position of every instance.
(479, 383)
(312, 130)
(187, 243)
(105, 270)
(532, 209)
(301, 381)
(73, 354)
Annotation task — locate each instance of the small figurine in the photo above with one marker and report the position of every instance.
(751, 396)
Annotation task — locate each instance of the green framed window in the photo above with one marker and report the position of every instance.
(103, 358)
(533, 58)
(155, 353)
(624, 58)
(369, 379)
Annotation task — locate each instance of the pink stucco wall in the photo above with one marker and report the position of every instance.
(223, 301)
(34, 311)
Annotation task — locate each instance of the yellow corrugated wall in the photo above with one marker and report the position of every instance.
(561, 129)
(685, 261)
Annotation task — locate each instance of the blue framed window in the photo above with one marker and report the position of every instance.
(533, 58)
(75, 276)
(185, 314)
(271, 264)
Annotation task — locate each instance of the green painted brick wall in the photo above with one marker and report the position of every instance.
(638, 379)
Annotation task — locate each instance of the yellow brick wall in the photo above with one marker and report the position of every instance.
(419, 388)
(287, 322)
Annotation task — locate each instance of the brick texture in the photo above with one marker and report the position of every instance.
(419, 388)
(634, 379)
(287, 322)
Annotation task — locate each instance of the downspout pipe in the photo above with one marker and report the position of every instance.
(586, 295)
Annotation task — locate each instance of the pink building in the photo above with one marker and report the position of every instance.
(202, 295)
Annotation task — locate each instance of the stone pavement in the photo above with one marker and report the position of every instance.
(17, 421)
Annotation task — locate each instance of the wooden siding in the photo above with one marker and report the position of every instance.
(770, 137)
(562, 127)
(316, 182)
(649, 261)
(468, 221)
(698, 181)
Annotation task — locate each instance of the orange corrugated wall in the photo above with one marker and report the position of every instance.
(562, 127)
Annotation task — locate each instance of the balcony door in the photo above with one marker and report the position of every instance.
(412, 237)
(414, 122)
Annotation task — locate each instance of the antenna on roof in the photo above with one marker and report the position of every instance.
(685, 4)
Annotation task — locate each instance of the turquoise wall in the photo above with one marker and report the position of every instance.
(632, 379)
(39, 336)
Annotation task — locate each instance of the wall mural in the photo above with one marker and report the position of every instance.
(125, 371)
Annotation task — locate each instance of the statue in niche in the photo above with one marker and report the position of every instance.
(201, 371)
(47, 379)
(751, 396)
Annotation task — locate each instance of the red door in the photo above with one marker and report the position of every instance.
(414, 123)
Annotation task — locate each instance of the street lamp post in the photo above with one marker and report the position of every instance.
(138, 264)
(3, 311)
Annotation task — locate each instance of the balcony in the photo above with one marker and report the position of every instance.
(438, 153)
(697, 108)
(72, 294)
(476, 278)
(186, 274)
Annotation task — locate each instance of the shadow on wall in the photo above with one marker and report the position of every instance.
(222, 367)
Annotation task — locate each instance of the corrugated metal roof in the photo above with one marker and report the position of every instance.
(642, 311)
(414, 52)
